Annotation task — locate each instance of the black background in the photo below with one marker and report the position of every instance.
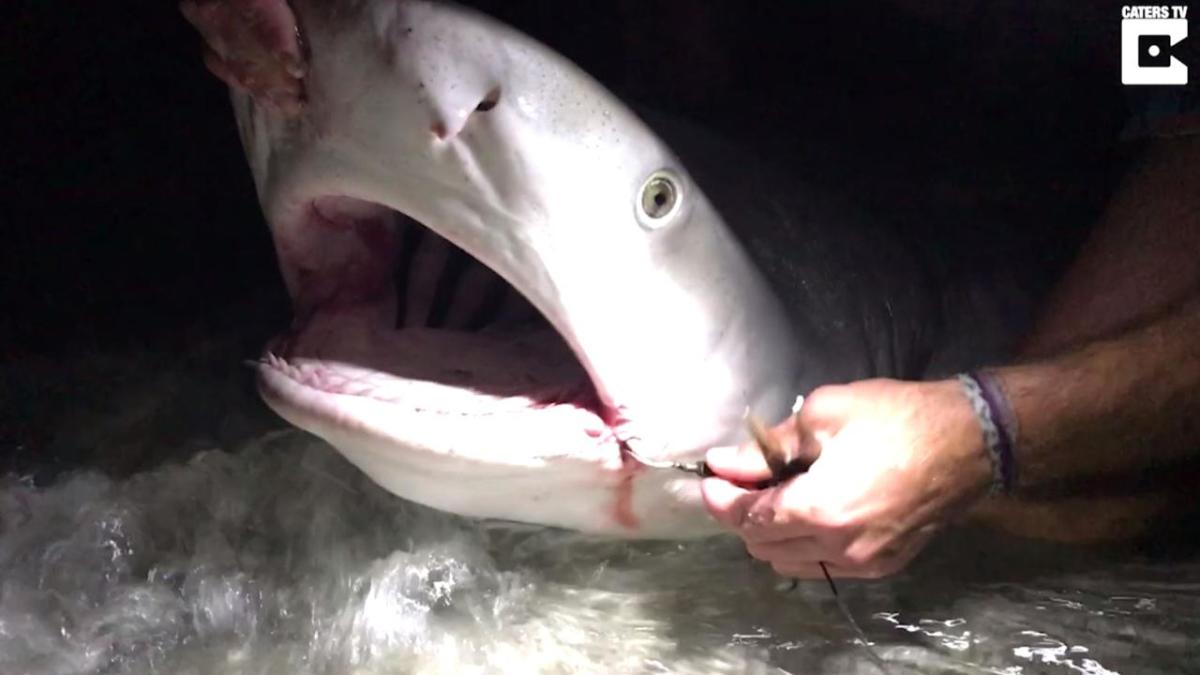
(130, 204)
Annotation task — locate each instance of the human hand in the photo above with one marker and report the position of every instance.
(894, 462)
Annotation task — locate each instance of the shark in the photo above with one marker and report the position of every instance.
(504, 277)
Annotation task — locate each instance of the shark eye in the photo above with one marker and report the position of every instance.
(659, 199)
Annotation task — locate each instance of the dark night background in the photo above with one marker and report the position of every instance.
(131, 227)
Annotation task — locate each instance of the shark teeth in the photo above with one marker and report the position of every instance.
(348, 380)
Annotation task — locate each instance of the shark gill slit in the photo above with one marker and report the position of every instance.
(411, 239)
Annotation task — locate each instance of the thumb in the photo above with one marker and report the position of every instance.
(800, 436)
(745, 463)
(823, 415)
(738, 463)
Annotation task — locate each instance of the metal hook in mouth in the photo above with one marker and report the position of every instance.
(653, 464)
(699, 468)
(782, 467)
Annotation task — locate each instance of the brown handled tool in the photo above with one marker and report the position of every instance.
(782, 467)
(772, 452)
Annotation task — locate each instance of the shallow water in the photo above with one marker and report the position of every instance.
(279, 557)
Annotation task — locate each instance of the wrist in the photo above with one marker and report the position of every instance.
(957, 437)
(996, 427)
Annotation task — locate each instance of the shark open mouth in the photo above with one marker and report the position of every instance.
(426, 124)
(400, 335)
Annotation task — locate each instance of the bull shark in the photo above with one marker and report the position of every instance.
(638, 308)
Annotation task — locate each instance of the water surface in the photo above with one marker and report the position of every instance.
(279, 557)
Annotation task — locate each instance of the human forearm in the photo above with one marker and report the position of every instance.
(1118, 404)
(1114, 389)
(1142, 257)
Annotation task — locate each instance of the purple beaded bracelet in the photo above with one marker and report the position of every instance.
(998, 423)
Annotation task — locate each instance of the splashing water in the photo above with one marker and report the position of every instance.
(281, 558)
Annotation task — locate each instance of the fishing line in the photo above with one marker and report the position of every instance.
(782, 468)
(854, 624)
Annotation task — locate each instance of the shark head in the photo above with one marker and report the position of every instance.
(634, 317)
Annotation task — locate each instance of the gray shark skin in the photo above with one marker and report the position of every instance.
(677, 283)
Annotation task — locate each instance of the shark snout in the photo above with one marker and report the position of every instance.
(450, 123)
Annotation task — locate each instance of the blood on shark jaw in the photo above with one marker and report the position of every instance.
(361, 359)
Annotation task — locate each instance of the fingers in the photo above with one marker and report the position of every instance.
(794, 552)
(803, 571)
(801, 557)
(740, 464)
(827, 408)
(752, 514)
(728, 503)
(856, 509)
(813, 571)
(744, 463)
(756, 515)
(801, 436)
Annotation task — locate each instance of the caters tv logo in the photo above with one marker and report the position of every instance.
(1150, 37)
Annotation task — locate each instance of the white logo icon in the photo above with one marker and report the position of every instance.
(1148, 41)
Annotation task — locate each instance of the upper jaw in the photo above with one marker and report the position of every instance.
(672, 402)
(513, 395)
(378, 150)
(333, 215)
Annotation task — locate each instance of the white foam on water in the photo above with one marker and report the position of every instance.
(280, 557)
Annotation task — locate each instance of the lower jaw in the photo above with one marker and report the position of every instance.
(582, 485)
(427, 417)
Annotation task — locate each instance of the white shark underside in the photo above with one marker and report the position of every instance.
(658, 320)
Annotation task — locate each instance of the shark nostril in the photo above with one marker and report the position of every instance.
(489, 101)
(442, 131)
